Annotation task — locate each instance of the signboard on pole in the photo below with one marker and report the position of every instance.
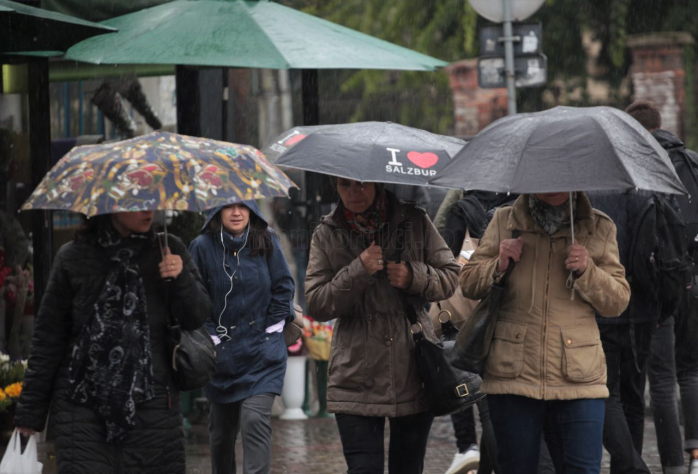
(531, 71)
(528, 39)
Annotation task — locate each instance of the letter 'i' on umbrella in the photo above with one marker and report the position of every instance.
(383, 152)
(158, 171)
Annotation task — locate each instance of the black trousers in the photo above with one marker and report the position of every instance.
(362, 442)
(626, 359)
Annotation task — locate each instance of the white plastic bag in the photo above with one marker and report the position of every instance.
(17, 462)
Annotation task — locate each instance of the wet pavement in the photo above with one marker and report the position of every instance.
(313, 446)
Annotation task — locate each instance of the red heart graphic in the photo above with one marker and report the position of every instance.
(294, 139)
(423, 160)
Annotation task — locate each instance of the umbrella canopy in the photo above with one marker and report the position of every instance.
(24, 28)
(563, 149)
(383, 152)
(236, 33)
(155, 172)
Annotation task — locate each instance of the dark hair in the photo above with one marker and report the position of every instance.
(259, 239)
(646, 112)
(89, 227)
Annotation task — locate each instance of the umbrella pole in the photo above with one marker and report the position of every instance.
(164, 226)
(572, 215)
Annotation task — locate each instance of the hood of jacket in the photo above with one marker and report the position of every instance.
(667, 140)
(250, 204)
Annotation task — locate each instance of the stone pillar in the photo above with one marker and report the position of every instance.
(474, 108)
(658, 74)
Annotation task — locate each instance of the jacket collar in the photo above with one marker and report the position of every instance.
(520, 218)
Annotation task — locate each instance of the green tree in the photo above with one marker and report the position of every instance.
(447, 29)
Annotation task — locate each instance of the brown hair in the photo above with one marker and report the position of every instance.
(646, 112)
(259, 239)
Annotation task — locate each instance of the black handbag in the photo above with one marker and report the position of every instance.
(475, 337)
(448, 389)
(193, 357)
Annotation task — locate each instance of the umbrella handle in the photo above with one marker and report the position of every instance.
(162, 240)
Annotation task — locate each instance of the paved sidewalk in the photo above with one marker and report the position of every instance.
(313, 446)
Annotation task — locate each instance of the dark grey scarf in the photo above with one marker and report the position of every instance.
(551, 218)
(110, 369)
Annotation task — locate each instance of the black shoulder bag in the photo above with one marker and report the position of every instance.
(448, 389)
(192, 354)
(475, 338)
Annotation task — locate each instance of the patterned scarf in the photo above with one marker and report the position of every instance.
(111, 370)
(372, 219)
(551, 218)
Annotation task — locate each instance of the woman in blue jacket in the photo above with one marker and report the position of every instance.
(250, 285)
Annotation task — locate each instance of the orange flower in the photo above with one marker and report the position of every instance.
(3, 396)
(14, 390)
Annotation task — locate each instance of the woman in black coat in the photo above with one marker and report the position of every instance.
(99, 355)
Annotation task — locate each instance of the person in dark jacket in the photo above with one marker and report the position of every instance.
(471, 214)
(251, 286)
(99, 357)
(674, 352)
(626, 340)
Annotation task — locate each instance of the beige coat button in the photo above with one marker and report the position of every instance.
(569, 341)
(518, 336)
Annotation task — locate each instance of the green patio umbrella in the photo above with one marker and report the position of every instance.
(28, 29)
(237, 33)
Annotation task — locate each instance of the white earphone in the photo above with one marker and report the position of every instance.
(222, 330)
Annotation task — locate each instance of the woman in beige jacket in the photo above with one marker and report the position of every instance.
(353, 276)
(546, 359)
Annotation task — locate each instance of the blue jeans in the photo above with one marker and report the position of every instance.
(518, 426)
(664, 372)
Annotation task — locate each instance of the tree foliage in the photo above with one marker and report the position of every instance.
(447, 29)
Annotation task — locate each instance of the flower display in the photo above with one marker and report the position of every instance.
(14, 390)
(318, 338)
(11, 378)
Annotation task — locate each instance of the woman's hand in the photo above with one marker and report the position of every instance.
(400, 275)
(372, 259)
(171, 266)
(25, 431)
(577, 259)
(509, 249)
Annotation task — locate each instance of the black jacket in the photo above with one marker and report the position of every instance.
(651, 245)
(685, 163)
(470, 213)
(77, 278)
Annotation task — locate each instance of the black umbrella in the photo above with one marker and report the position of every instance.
(381, 152)
(563, 149)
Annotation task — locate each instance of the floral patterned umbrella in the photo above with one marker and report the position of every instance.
(157, 171)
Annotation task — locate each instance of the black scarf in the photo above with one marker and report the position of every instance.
(551, 218)
(111, 370)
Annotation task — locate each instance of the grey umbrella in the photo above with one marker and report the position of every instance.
(562, 149)
(383, 152)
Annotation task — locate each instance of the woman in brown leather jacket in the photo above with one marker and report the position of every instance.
(354, 277)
